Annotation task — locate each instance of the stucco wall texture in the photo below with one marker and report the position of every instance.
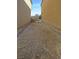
(51, 13)
(23, 13)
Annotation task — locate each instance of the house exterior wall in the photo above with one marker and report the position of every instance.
(28, 2)
(23, 12)
(51, 13)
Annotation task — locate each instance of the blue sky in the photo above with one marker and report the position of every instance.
(36, 7)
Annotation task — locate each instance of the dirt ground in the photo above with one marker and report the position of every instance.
(38, 41)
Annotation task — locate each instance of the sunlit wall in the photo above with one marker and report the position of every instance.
(51, 13)
(28, 2)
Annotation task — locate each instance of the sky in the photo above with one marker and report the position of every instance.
(36, 7)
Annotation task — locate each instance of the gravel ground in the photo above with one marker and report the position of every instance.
(37, 41)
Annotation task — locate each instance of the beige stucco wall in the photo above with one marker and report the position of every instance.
(23, 12)
(51, 13)
(28, 2)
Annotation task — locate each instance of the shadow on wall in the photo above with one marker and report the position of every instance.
(23, 14)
